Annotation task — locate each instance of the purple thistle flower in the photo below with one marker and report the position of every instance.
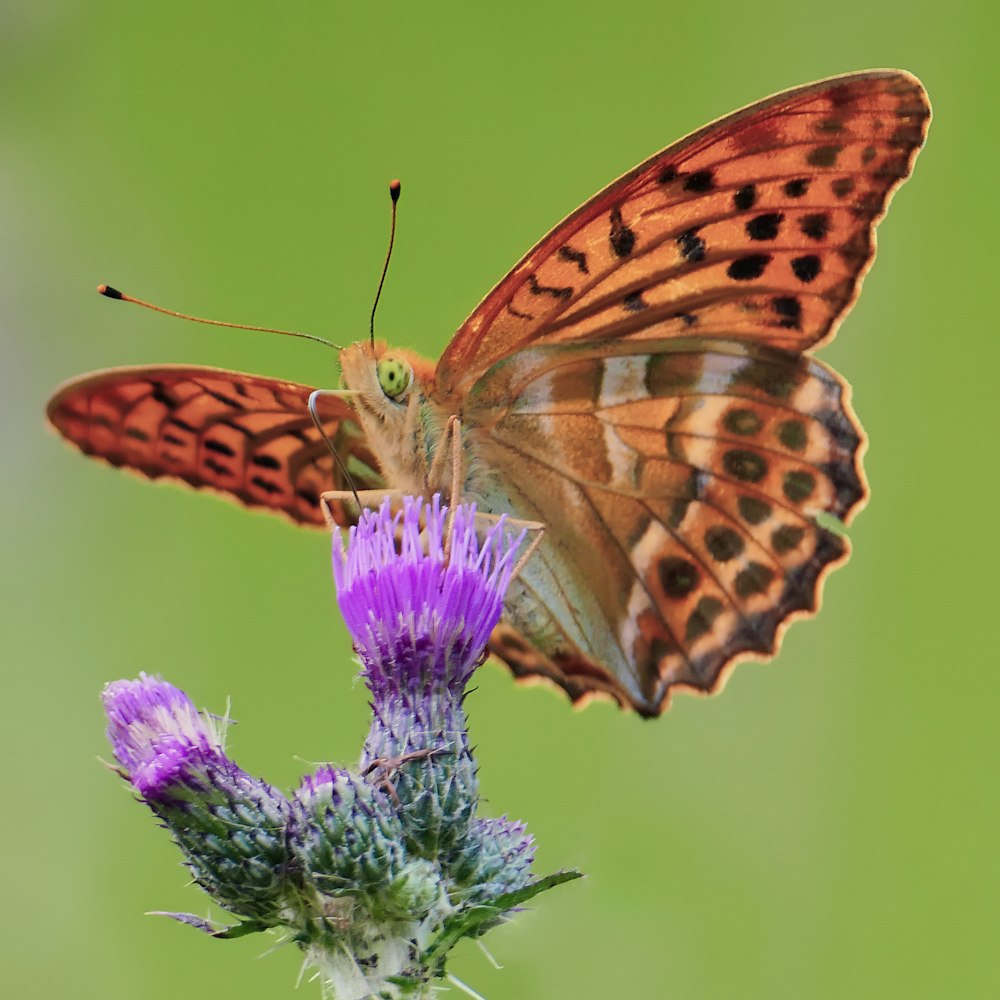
(157, 734)
(230, 825)
(417, 618)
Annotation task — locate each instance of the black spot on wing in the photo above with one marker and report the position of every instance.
(219, 447)
(555, 291)
(815, 226)
(622, 238)
(753, 510)
(309, 496)
(723, 543)
(755, 578)
(789, 309)
(765, 227)
(678, 577)
(842, 187)
(700, 181)
(266, 485)
(701, 619)
(691, 246)
(182, 424)
(577, 257)
(806, 268)
(744, 199)
(633, 302)
(217, 467)
(745, 465)
(823, 156)
(749, 267)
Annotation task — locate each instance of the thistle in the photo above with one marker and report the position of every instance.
(375, 873)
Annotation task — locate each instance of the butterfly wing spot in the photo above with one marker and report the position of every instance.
(742, 421)
(700, 620)
(823, 156)
(633, 302)
(792, 435)
(842, 187)
(789, 308)
(750, 267)
(691, 246)
(745, 465)
(816, 225)
(700, 181)
(832, 125)
(765, 226)
(807, 268)
(787, 537)
(753, 579)
(798, 485)
(577, 257)
(678, 577)
(219, 447)
(745, 198)
(563, 292)
(724, 543)
(753, 510)
(621, 238)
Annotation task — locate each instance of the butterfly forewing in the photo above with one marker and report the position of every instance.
(759, 226)
(245, 436)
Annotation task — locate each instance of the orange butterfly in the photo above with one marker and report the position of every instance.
(638, 383)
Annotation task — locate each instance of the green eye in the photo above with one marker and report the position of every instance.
(393, 376)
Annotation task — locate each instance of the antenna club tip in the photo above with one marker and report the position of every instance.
(394, 188)
(109, 291)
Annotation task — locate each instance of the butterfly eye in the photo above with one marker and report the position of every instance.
(393, 376)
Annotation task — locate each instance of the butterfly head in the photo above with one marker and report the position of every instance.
(389, 388)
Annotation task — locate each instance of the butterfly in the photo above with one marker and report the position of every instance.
(641, 383)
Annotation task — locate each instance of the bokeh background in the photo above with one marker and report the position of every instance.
(826, 828)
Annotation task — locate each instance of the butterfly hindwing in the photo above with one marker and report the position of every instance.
(247, 437)
(688, 483)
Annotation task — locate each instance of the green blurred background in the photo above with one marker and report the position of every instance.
(827, 828)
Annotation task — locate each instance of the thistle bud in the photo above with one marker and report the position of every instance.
(229, 825)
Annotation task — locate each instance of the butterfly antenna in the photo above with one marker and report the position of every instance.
(113, 293)
(313, 396)
(394, 189)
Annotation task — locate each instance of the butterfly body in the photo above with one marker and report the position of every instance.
(640, 383)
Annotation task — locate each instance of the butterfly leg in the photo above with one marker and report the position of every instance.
(534, 528)
(369, 500)
(454, 429)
